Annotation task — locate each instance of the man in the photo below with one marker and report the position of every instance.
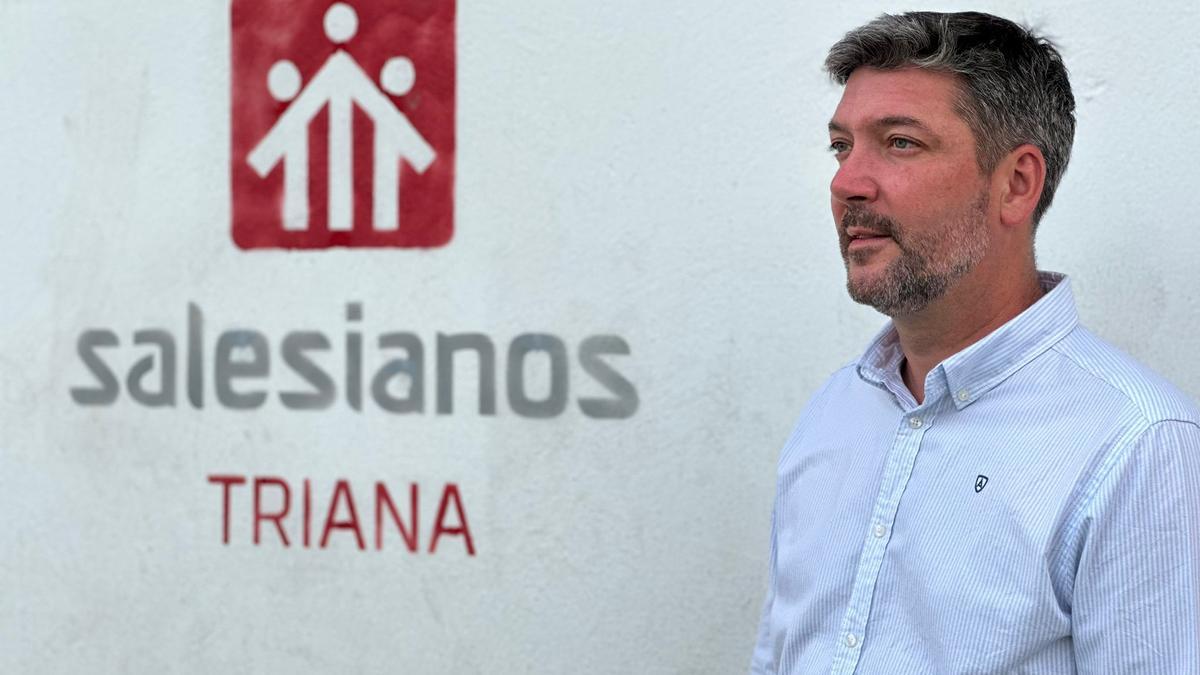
(989, 488)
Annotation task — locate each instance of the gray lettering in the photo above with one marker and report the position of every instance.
(195, 362)
(108, 390)
(324, 390)
(354, 358)
(520, 347)
(227, 369)
(165, 396)
(413, 366)
(446, 346)
(626, 402)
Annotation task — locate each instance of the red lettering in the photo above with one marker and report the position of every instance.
(307, 510)
(382, 498)
(439, 528)
(277, 518)
(226, 483)
(342, 488)
(342, 513)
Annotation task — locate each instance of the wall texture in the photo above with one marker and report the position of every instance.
(651, 171)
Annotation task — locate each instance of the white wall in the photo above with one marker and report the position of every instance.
(651, 170)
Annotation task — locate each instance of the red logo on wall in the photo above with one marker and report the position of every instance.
(342, 123)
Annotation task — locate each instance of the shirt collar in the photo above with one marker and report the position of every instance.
(973, 371)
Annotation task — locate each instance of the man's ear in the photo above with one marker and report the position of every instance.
(1020, 177)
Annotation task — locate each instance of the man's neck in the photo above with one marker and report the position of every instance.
(967, 313)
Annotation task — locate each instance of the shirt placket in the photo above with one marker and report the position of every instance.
(901, 458)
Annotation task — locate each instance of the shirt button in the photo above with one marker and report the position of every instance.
(880, 531)
(963, 394)
(852, 640)
(915, 422)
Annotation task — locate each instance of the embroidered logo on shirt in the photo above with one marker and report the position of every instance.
(980, 482)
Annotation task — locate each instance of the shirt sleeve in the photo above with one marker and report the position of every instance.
(762, 662)
(1136, 603)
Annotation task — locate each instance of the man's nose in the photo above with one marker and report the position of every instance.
(854, 182)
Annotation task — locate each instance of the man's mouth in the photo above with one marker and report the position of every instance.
(857, 232)
(862, 238)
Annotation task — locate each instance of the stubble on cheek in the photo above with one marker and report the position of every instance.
(926, 264)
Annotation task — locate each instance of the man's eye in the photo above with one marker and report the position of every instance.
(838, 147)
(903, 144)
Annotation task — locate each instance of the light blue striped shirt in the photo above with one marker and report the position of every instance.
(1039, 512)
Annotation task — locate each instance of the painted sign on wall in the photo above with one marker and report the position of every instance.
(343, 123)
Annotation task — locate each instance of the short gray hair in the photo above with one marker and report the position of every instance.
(1015, 88)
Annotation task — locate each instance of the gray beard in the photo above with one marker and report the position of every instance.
(929, 262)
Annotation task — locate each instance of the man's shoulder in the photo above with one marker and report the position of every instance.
(836, 381)
(833, 385)
(1118, 373)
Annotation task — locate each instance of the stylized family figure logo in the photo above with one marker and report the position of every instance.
(341, 83)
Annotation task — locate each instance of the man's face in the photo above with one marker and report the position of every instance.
(908, 198)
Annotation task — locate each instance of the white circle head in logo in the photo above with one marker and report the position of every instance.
(341, 23)
(397, 76)
(283, 80)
